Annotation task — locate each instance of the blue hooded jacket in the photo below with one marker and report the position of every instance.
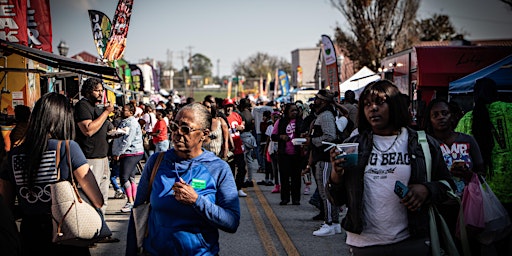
(175, 228)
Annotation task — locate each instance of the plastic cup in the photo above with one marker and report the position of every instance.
(298, 141)
(348, 151)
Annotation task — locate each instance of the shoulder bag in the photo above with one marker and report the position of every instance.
(75, 222)
(434, 216)
(141, 212)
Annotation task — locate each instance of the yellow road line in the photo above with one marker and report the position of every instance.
(287, 243)
(266, 240)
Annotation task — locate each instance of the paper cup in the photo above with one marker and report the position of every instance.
(349, 151)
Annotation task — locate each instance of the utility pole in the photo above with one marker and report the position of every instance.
(190, 70)
(218, 69)
(182, 57)
(169, 59)
(190, 60)
(169, 70)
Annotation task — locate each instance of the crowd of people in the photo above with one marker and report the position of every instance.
(212, 148)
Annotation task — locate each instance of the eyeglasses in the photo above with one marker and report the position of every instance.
(185, 129)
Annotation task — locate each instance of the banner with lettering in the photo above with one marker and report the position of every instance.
(117, 42)
(39, 23)
(331, 64)
(13, 21)
(101, 28)
(284, 84)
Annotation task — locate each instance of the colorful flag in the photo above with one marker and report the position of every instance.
(101, 26)
(267, 84)
(13, 21)
(284, 84)
(39, 23)
(117, 42)
(331, 64)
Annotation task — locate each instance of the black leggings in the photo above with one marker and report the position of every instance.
(128, 168)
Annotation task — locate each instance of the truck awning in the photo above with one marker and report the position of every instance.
(61, 62)
(438, 66)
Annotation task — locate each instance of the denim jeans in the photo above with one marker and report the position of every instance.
(114, 173)
(162, 146)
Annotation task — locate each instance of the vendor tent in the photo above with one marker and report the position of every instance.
(359, 80)
(500, 72)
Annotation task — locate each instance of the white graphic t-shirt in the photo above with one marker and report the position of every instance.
(385, 219)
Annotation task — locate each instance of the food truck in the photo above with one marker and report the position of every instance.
(424, 72)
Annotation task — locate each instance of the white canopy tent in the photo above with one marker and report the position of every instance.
(359, 80)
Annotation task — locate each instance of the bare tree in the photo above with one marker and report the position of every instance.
(437, 28)
(371, 24)
(259, 64)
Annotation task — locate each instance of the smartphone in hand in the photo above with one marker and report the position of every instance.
(401, 189)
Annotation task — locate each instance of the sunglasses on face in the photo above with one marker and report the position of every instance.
(184, 129)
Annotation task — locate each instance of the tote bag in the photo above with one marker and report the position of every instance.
(141, 212)
(75, 222)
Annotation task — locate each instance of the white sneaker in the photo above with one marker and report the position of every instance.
(337, 228)
(127, 207)
(325, 230)
(241, 193)
(306, 190)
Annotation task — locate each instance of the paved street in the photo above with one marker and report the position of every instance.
(266, 228)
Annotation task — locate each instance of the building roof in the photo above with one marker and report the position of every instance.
(494, 42)
(87, 57)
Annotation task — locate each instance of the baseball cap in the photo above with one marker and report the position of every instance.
(227, 102)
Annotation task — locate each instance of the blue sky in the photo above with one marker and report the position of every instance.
(231, 30)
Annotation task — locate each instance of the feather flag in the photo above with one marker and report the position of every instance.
(14, 21)
(284, 84)
(101, 27)
(331, 64)
(121, 22)
(39, 24)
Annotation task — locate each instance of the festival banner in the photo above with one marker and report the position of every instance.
(331, 64)
(13, 21)
(39, 23)
(101, 28)
(117, 42)
(267, 84)
(284, 84)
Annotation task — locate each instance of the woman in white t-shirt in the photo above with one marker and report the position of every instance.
(378, 222)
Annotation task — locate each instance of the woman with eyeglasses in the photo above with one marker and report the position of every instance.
(193, 193)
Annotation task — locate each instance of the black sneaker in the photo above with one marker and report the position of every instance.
(284, 202)
(109, 240)
(248, 184)
(269, 183)
(262, 183)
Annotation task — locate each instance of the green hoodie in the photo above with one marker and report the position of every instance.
(500, 114)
